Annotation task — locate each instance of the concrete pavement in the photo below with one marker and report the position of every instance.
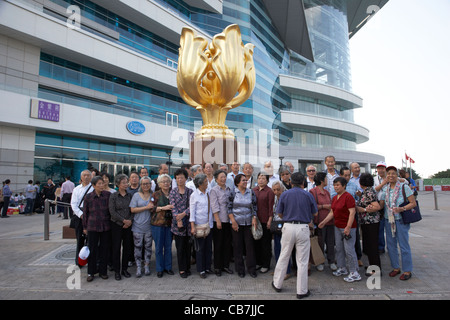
(37, 269)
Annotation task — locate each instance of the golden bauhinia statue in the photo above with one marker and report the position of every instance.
(216, 78)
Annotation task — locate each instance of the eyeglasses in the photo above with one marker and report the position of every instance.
(145, 184)
(311, 170)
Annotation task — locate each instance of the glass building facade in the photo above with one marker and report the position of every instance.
(60, 153)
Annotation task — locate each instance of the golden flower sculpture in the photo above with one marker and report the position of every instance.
(215, 78)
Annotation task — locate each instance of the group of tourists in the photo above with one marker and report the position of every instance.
(218, 217)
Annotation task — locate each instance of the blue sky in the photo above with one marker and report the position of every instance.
(401, 69)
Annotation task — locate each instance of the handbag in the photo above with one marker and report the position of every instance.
(317, 256)
(410, 216)
(257, 231)
(203, 230)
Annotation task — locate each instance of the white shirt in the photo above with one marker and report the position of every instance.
(77, 196)
(272, 179)
(311, 184)
(376, 182)
(198, 208)
(191, 185)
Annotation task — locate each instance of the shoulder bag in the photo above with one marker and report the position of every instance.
(410, 216)
(203, 230)
(75, 221)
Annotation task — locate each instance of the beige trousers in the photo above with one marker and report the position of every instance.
(294, 235)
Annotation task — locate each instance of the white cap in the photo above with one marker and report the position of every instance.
(381, 163)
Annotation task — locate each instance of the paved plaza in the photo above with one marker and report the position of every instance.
(38, 269)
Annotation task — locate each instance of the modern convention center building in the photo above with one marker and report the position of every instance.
(92, 84)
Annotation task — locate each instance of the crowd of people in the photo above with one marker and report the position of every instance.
(214, 215)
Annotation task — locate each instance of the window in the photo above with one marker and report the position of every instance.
(171, 119)
(171, 63)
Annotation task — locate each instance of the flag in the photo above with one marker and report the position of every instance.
(411, 160)
(406, 156)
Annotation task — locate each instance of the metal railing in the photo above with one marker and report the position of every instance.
(47, 203)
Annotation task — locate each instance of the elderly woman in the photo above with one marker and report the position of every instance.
(121, 221)
(201, 216)
(396, 231)
(326, 234)
(368, 210)
(265, 200)
(285, 177)
(97, 225)
(242, 208)
(222, 227)
(343, 211)
(278, 188)
(141, 204)
(161, 223)
(181, 229)
(195, 170)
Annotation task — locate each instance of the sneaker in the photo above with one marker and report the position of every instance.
(340, 272)
(333, 267)
(353, 276)
(319, 267)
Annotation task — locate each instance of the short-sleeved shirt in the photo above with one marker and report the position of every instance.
(399, 201)
(341, 212)
(141, 220)
(368, 196)
(297, 204)
(30, 192)
(219, 202)
(322, 198)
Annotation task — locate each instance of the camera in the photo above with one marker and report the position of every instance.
(346, 237)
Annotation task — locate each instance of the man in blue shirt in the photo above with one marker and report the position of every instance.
(7, 193)
(30, 195)
(297, 208)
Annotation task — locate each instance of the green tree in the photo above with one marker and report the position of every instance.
(442, 174)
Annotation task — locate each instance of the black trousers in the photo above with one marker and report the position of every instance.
(222, 246)
(81, 239)
(68, 212)
(99, 246)
(370, 242)
(204, 253)
(5, 206)
(263, 248)
(244, 238)
(121, 239)
(183, 245)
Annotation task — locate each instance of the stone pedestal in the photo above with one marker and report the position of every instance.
(214, 151)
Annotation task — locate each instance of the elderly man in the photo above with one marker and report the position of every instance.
(297, 208)
(310, 174)
(234, 170)
(77, 202)
(355, 168)
(162, 169)
(332, 173)
(290, 166)
(195, 170)
(268, 168)
(379, 182)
